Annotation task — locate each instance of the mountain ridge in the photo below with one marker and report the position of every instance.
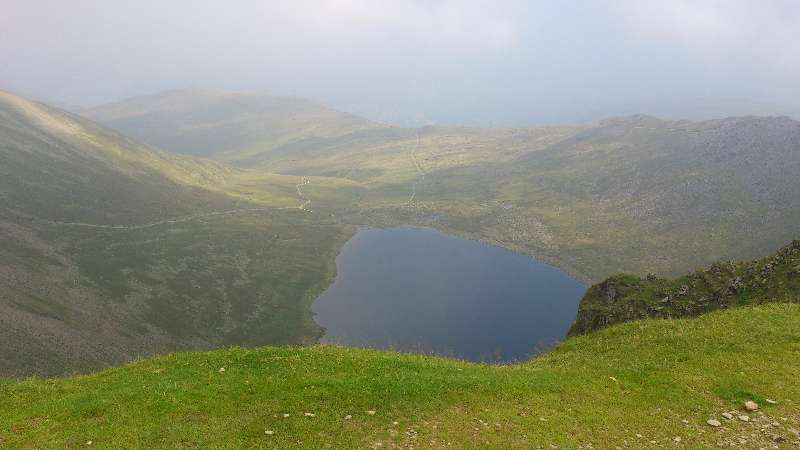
(230, 126)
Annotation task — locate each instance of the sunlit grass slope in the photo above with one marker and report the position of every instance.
(648, 384)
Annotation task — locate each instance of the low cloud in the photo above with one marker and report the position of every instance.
(475, 62)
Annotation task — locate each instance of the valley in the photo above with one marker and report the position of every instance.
(400, 224)
(183, 252)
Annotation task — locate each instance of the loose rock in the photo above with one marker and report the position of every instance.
(727, 415)
(744, 418)
(750, 405)
(714, 422)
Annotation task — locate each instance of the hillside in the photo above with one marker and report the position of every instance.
(112, 250)
(623, 298)
(239, 128)
(637, 385)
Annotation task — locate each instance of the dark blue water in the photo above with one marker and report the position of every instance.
(418, 290)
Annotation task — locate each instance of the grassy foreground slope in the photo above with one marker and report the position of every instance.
(644, 384)
(112, 250)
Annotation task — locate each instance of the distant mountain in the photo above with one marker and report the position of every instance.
(624, 298)
(110, 249)
(239, 128)
(694, 109)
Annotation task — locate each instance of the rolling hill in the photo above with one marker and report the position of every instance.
(239, 128)
(111, 250)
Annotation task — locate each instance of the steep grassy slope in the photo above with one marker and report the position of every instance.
(625, 297)
(59, 167)
(240, 128)
(638, 385)
(111, 250)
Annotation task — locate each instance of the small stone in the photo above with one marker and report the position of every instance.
(221, 370)
(744, 418)
(269, 432)
(676, 439)
(88, 442)
(750, 405)
(685, 421)
(395, 423)
(348, 417)
(714, 422)
(308, 414)
(286, 415)
(639, 435)
(727, 415)
(771, 402)
(371, 413)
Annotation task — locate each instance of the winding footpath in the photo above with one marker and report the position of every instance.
(303, 207)
(303, 182)
(420, 173)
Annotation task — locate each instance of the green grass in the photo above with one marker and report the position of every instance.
(642, 378)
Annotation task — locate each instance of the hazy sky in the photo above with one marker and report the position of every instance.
(416, 61)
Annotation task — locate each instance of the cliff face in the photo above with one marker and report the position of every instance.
(623, 298)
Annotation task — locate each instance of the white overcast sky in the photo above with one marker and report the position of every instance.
(416, 61)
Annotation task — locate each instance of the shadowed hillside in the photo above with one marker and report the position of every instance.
(111, 250)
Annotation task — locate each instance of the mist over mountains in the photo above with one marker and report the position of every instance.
(472, 63)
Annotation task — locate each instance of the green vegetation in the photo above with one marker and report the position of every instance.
(645, 384)
(626, 297)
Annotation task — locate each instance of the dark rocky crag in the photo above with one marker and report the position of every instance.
(624, 298)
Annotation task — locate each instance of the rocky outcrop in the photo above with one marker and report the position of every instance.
(623, 298)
